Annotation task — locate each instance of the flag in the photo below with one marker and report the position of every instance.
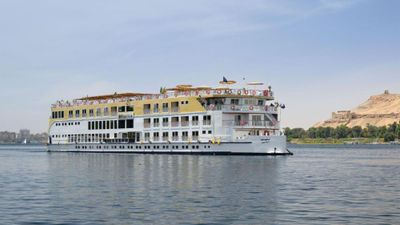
(224, 79)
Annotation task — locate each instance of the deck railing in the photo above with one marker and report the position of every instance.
(171, 94)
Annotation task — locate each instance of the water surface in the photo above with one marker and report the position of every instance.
(318, 185)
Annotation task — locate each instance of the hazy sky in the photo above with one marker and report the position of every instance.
(319, 56)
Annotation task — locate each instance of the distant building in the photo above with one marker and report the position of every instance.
(24, 134)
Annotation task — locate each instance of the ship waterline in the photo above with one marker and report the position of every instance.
(181, 120)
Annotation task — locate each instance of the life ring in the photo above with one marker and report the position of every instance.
(186, 93)
(212, 106)
(218, 91)
(229, 91)
(267, 132)
(266, 108)
(165, 96)
(251, 107)
(254, 92)
(246, 92)
(265, 92)
(242, 123)
(208, 91)
(232, 107)
(239, 92)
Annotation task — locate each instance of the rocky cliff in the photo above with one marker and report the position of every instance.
(378, 110)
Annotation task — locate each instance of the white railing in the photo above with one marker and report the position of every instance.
(243, 108)
(170, 94)
(247, 123)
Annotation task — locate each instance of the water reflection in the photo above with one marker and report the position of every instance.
(162, 188)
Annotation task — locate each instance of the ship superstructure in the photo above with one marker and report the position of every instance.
(201, 120)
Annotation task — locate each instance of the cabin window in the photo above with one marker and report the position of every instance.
(108, 124)
(104, 124)
(165, 122)
(260, 102)
(105, 111)
(185, 135)
(156, 136)
(98, 112)
(185, 121)
(195, 135)
(175, 136)
(165, 136)
(234, 101)
(112, 124)
(129, 123)
(89, 125)
(97, 125)
(77, 112)
(146, 108)
(121, 124)
(165, 107)
(146, 136)
(174, 121)
(113, 110)
(156, 122)
(70, 113)
(115, 124)
(156, 108)
(195, 120)
(84, 113)
(129, 108)
(100, 125)
(91, 114)
(207, 120)
(121, 109)
(174, 106)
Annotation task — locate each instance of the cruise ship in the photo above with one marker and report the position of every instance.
(182, 120)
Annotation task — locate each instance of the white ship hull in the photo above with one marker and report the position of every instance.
(256, 145)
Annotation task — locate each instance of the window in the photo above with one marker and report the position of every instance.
(115, 124)
(89, 125)
(77, 112)
(185, 135)
(156, 108)
(146, 109)
(70, 113)
(204, 132)
(174, 121)
(234, 101)
(185, 121)
(129, 123)
(84, 113)
(260, 102)
(97, 125)
(121, 109)
(165, 107)
(105, 111)
(111, 124)
(146, 122)
(187, 102)
(129, 108)
(209, 132)
(175, 136)
(195, 120)
(156, 122)
(104, 124)
(100, 125)
(207, 120)
(113, 110)
(195, 135)
(121, 124)
(165, 136)
(165, 122)
(98, 112)
(146, 136)
(91, 114)
(156, 136)
(174, 106)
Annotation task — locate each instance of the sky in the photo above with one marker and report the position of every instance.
(319, 56)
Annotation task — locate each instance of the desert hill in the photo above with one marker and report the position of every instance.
(378, 110)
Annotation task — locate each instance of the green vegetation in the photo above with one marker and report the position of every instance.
(342, 134)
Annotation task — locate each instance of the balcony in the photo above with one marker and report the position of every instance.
(175, 109)
(195, 123)
(175, 124)
(206, 122)
(146, 125)
(165, 124)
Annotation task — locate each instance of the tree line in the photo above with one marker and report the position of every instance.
(388, 133)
